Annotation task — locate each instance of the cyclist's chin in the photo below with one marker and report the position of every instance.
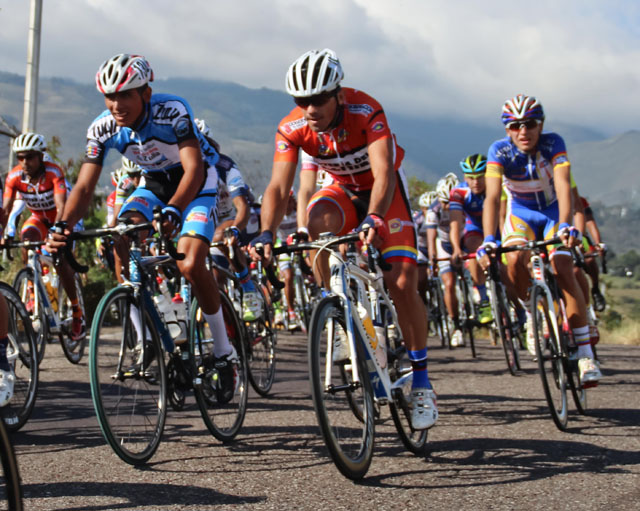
(318, 125)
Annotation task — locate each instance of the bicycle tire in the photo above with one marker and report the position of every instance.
(11, 489)
(466, 316)
(301, 305)
(38, 317)
(578, 392)
(21, 353)
(549, 357)
(129, 395)
(415, 441)
(502, 319)
(261, 348)
(348, 438)
(73, 350)
(222, 418)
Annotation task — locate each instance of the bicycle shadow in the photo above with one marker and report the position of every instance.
(130, 495)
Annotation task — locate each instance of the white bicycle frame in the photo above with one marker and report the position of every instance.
(537, 271)
(41, 295)
(370, 291)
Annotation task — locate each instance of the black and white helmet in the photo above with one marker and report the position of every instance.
(123, 72)
(29, 142)
(315, 72)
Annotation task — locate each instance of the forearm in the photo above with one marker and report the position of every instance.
(382, 193)
(274, 206)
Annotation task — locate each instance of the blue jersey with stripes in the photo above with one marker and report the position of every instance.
(153, 142)
(463, 199)
(529, 177)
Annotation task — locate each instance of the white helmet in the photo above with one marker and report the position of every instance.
(29, 142)
(426, 199)
(326, 73)
(443, 190)
(203, 127)
(130, 167)
(452, 178)
(123, 72)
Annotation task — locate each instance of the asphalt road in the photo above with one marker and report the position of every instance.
(494, 447)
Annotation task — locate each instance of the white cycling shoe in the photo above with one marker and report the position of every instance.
(7, 381)
(425, 408)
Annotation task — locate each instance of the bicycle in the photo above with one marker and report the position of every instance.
(261, 334)
(130, 340)
(50, 308)
(553, 336)
(376, 372)
(437, 309)
(507, 328)
(22, 355)
(10, 488)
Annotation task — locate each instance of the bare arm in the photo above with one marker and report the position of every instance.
(384, 184)
(193, 166)
(457, 217)
(274, 201)
(491, 205)
(562, 184)
(307, 187)
(59, 199)
(79, 199)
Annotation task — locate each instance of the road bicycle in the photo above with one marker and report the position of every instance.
(41, 290)
(130, 377)
(261, 335)
(10, 488)
(22, 355)
(376, 372)
(506, 326)
(554, 342)
(437, 309)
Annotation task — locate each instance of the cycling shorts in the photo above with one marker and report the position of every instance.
(444, 250)
(198, 218)
(39, 223)
(524, 224)
(400, 244)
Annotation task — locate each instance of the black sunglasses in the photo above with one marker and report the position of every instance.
(27, 156)
(517, 126)
(317, 100)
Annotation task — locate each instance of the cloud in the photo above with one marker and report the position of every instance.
(423, 57)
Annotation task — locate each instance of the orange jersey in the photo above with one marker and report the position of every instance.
(342, 152)
(38, 196)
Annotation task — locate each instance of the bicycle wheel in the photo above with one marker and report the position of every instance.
(10, 489)
(21, 353)
(223, 417)
(261, 349)
(128, 382)
(465, 312)
(348, 438)
(25, 285)
(301, 305)
(399, 366)
(502, 319)
(73, 350)
(549, 357)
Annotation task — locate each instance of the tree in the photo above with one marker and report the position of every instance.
(416, 188)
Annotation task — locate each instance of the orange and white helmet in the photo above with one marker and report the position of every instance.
(314, 72)
(123, 72)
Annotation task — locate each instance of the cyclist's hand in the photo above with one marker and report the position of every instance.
(57, 239)
(300, 236)
(601, 248)
(569, 235)
(171, 221)
(261, 243)
(456, 257)
(485, 251)
(373, 230)
(231, 235)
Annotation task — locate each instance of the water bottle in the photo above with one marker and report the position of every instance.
(180, 311)
(372, 335)
(381, 349)
(165, 308)
(46, 278)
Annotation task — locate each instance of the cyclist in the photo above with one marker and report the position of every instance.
(465, 206)
(537, 173)
(347, 132)
(42, 187)
(592, 243)
(419, 219)
(158, 133)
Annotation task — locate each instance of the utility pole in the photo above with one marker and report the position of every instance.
(33, 65)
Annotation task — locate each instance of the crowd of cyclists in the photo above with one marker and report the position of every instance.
(338, 141)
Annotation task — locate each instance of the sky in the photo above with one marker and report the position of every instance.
(456, 59)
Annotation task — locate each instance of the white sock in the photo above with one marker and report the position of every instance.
(221, 344)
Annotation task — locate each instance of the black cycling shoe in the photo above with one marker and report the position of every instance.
(599, 303)
(227, 377)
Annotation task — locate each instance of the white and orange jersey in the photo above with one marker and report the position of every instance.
(342, 152)
(39, 196)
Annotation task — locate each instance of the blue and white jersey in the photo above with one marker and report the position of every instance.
(153, 143)
(230, 185)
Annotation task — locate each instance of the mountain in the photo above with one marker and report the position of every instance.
(243, 120)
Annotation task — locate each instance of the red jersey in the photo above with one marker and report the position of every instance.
(343, 151)
(38, 196)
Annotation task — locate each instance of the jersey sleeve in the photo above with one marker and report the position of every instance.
(287, 140)
(431, 220)
(495, 163)
(559, 156)
(456, 199)
(59, 182)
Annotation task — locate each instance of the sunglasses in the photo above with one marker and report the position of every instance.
(317, 100)
(28, 156)
(530, 124)
(474, 176)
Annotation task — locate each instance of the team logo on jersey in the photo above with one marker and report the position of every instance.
(182, 127)
(342, 135)
(282, 146)
(378, 126)
(292, 126)
(93, 149)
(395, 225)
(196, 216)
(361, 109)
(142, 201)
(324, 149)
